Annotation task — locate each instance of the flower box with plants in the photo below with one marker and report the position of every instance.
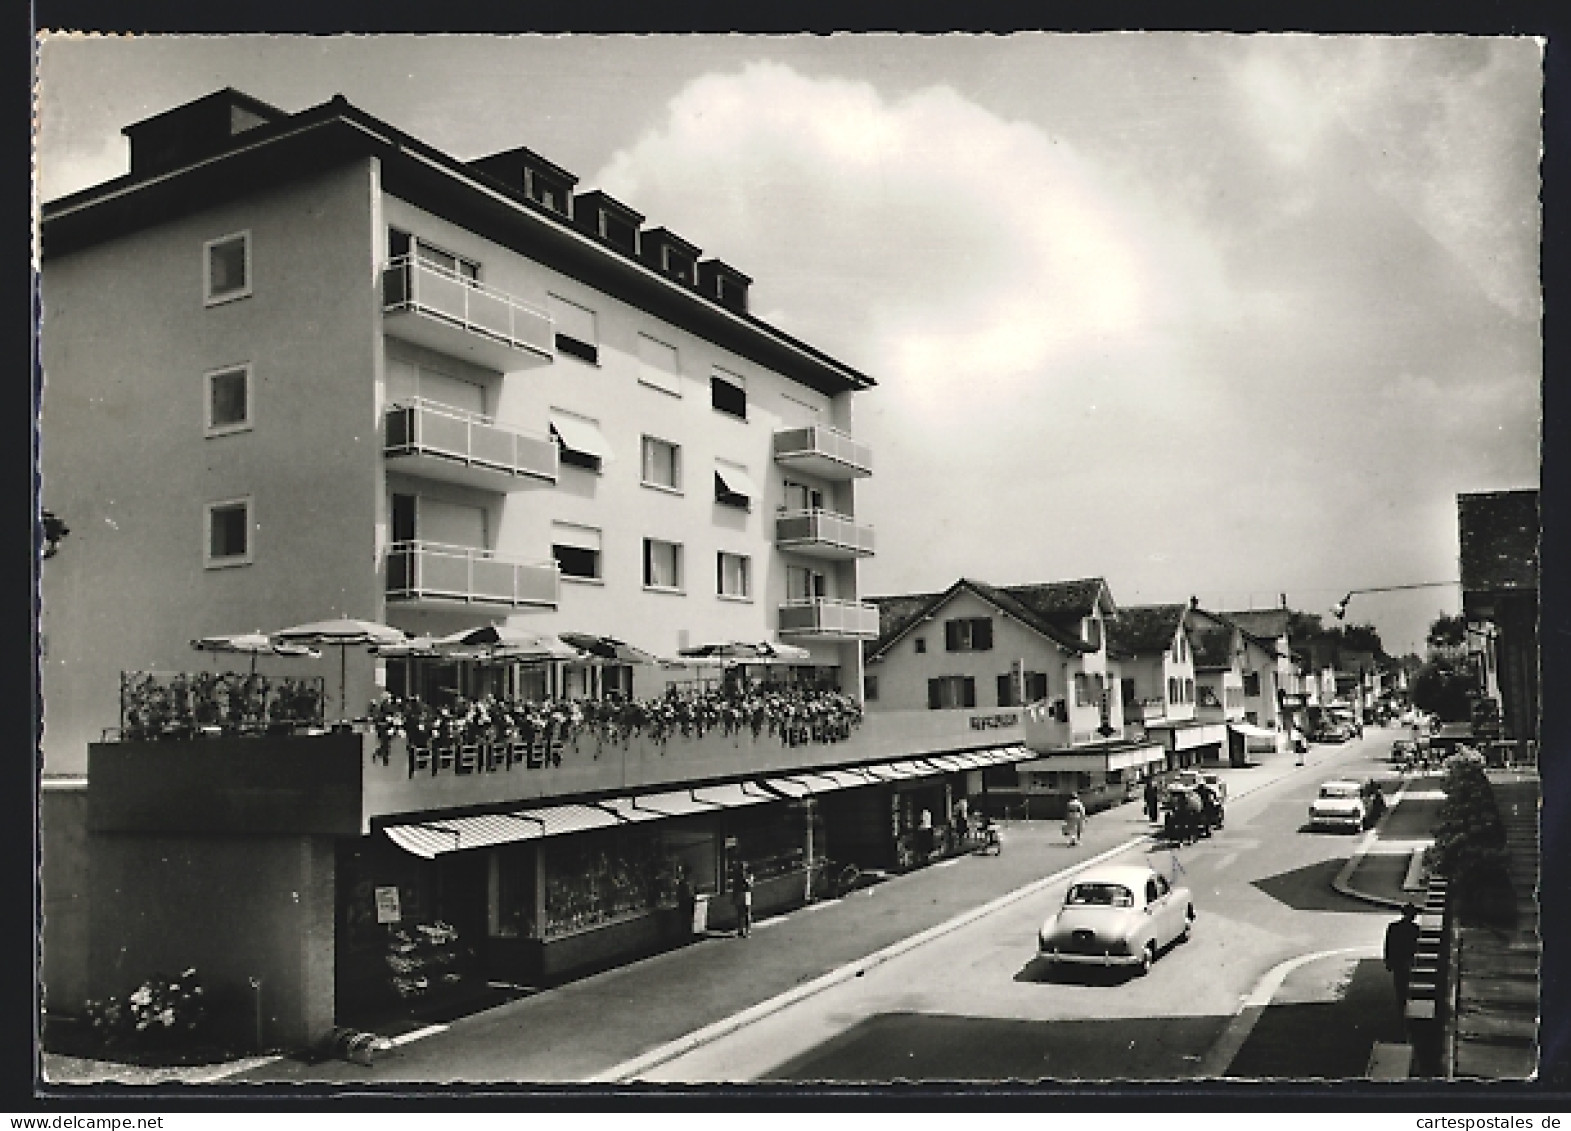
(181, 705)
(491, 733)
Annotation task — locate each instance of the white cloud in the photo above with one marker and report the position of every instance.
(925, 238)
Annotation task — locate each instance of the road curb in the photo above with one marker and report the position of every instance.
(629, 1070)
(1342, 882)
(1252, 1006)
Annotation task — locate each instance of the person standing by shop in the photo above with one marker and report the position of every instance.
(962, 820)
(924, 836)
(742, 892)
(1153, 798)
(1401, 946)
(1074, 819)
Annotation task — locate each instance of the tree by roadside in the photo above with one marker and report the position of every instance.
(1470, 837)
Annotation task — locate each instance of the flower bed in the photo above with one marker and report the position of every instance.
(174, 705)
(445, 735)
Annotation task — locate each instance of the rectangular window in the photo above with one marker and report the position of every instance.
(733, 575)
(920, 644)
(1082, 690)
(576, 335)
(728, 394)
(1092, 632)
(662, 464)
(733, 486)
(580, 440)
(805, 584)
(800, 497)
(658, 366)
(228, 400)
(870, 688)
(228, 533)
(1252, 684)
(662, 564)
(1036, 687)
(974, 634)
(226, 268)
(1006, 691)
(576, 550)
(400, 244)
(951, 693)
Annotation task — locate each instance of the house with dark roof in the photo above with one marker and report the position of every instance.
(1156, 666)
(1499, 535)
(1034, 657)
(1280, 700)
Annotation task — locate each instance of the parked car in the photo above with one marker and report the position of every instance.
(1339, 805)
(1332, 732)
(1118, 916)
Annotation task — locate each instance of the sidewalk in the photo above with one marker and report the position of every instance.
(1383, 860)
(586, 1028)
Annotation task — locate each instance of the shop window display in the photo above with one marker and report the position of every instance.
(601, 879)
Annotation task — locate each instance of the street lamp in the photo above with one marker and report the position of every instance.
(1339, 610)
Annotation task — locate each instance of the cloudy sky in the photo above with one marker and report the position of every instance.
(1229, 316)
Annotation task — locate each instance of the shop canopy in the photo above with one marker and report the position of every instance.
(436, 835)
(1249, 730)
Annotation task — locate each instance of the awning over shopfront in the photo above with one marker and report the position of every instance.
(1249, 730)
(734, 795)
(677, 803)
(454, 834)
(437, 835)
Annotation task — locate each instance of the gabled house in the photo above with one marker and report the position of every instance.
(1157, 667)
(1269, 659)
(1029, 656)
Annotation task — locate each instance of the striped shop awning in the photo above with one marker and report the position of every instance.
(677, 803)
(734, 795)
(849, 779)
(789, 788)
(437, 837)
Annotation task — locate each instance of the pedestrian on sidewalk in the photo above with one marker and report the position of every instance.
(962, 820)
(924, 836)
(1153, 797)
(1074, 819)
(742, 892)
(1400, 949)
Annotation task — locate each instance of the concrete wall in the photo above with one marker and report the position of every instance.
(63, 888)
(236, 908)
(615, 501)
(127, 340)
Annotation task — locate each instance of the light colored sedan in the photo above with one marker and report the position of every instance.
(1340, 805)
(1118, 916)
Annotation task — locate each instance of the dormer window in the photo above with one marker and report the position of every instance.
(1091, 631)
(546, 191)
(677, 265)
(609, 219)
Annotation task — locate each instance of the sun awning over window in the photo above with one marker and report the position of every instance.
(677, 803)
(455, 834)
(731, 796)
(736, 481)
(581, 435)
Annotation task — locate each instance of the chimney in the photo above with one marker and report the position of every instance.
(1194, 602)
(199, 129)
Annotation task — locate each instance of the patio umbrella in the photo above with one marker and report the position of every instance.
(608, 648)
(504, 644)
(783, 654)
(416, 646)
(341, 634)
(252, 644)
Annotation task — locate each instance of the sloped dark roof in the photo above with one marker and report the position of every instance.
(898, 613)
(1265, 623)
(1499, 538)
(1212, 647)
(895, 614)
(1062, 603)
(1143, 629)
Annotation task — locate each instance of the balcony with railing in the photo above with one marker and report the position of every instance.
(435, 307)
(821, 450)
(823, 534)
(437, 441)
(828, 617)
(440, 575)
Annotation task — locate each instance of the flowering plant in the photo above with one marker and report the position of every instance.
(794, 716)
(160, 1009)
(158, 705)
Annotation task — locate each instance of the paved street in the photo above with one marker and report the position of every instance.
(938, 1011)
(978, 1005)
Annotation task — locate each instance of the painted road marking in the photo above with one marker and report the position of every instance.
(418, 1034)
